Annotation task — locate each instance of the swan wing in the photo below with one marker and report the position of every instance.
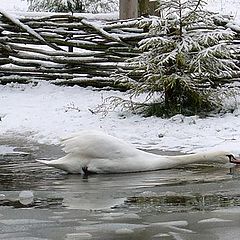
(94, 144)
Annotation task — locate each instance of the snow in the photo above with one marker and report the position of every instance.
(46, 112)
(226, 7)
(14, 5)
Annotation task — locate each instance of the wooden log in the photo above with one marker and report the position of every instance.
(79, 44)
(63, 32)
(4, 61)
(102, 32)
(8, 27)
(12, 70)
(49, 25)
(56, 53)
(43, 75)
(57, 59)
(69, 72)
(108, 65)
(17, 79)
(28, 29)
(107, 83)
(87, 45)
(26, 35)
(34, 66)
(25, 41)
(55, 17)
(123, 49)
(131, 23)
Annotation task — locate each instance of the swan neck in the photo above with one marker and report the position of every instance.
(191, 158)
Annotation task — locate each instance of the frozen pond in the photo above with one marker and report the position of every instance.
(197, 202)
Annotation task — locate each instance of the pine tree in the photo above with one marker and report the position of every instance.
(183, 58)
(93, 6)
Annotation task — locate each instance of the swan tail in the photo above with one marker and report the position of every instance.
(61, 164)
(46, 162)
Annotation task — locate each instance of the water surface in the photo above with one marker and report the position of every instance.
(194, 202)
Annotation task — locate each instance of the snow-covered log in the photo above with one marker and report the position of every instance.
(26, 28)
(98, 82)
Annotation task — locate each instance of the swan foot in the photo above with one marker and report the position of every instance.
(86, 172)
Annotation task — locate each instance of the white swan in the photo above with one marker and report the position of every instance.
(96, 152)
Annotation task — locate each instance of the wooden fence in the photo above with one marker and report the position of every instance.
(66, 49)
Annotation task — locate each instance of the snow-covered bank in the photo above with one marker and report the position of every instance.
(46, 112)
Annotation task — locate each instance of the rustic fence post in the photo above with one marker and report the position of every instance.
(70, 20)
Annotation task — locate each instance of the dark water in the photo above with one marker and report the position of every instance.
(196, 202)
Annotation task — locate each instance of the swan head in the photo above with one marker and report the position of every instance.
(224, 157)
(233, 159)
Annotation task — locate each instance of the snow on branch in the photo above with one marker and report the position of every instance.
(101, 31)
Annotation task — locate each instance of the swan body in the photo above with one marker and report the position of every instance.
(96, 152)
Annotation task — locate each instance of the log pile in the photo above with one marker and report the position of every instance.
(71, 49)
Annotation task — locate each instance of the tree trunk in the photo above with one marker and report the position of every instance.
(128, 9)
(143, 7)
(153, 5)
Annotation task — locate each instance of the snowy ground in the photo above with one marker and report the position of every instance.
(46, 112)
